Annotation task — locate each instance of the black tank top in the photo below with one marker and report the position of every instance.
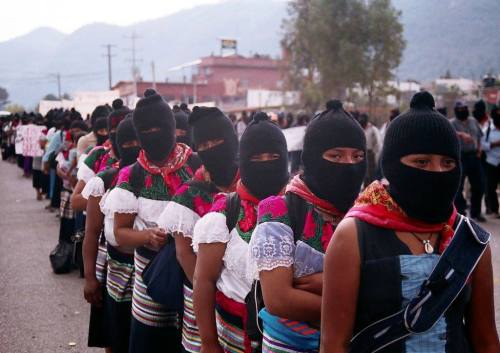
(380, 292)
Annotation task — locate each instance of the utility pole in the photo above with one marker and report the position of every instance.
(109, 56)
(134, 60)
(58, 79)
(153, 73)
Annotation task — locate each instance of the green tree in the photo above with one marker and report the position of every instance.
(14, 108)
(383, 48)
(50, 97)
(333, 45)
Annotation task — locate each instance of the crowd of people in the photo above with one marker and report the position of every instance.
(202, 233)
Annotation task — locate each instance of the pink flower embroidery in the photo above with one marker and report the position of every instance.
(182, 189)
(309, 226)
(201, 207)
(219, 204)
(326, 235)
(175, 181)
(274, 205)
(148, 181)
(124, 175)
(249, 219)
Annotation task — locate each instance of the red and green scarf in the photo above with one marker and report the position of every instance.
(377, 207)
(176, 160)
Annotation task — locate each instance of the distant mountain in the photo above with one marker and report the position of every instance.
(459, 35)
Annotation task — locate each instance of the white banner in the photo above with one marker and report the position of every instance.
(31, 136)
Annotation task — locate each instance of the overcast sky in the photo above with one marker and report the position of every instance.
(18, 17)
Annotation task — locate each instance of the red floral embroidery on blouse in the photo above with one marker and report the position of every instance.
(201, 206)
(249, 219)
(309, 226)
(148, 181)
(326, 235)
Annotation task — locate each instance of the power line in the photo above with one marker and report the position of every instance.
(109, 56)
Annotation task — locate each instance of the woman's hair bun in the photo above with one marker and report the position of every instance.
(117, 104)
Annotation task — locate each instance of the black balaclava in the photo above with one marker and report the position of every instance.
(153, 112)
(495, 116)
(220, 161)
(100, 123)
(363, 120)
(125, 132)
(263, 178)
(423, 195)
(461, 111)
(479, 111)
(114, 118)
(181, 123)
(338, 183)
(99, 111)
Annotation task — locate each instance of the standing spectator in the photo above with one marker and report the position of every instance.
(101, 111)
(469, 133)
(241, 125)
(372, 147)
(480, 114)
(491, 147)
(394, 113)
(295, 156)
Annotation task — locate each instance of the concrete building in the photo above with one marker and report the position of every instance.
(223, 80)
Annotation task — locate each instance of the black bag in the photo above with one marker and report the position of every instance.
(164, 278)
(61, 258)
(78, 251)
(254, 300)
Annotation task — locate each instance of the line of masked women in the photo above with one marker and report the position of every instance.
(229, 255)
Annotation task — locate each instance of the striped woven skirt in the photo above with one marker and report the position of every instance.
(191, 340)
(98, 332)
(231, 318)
(287, 336)
(119, 284)
(101, 264)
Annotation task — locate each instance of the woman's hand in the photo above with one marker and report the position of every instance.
(312, 283)
(92, 291)
(156, 237)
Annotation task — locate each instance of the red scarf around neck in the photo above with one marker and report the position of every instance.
(377, 207)
(299, 187)
(175, 161)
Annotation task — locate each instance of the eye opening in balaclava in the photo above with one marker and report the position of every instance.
(337, 183)
(216, 142)
(120, 111)
(155, 126)
(461, 111)
(125, 134)
(423, 195)
(263, 157)
(100, 129)
(182, 129)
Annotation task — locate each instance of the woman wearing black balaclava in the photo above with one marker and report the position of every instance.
(392, 238)
(288, 258)
(143, 191)
(110, 296)
(101, 156)
(217, 145)
(220, 282)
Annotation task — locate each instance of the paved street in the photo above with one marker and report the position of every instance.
(43, 312)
